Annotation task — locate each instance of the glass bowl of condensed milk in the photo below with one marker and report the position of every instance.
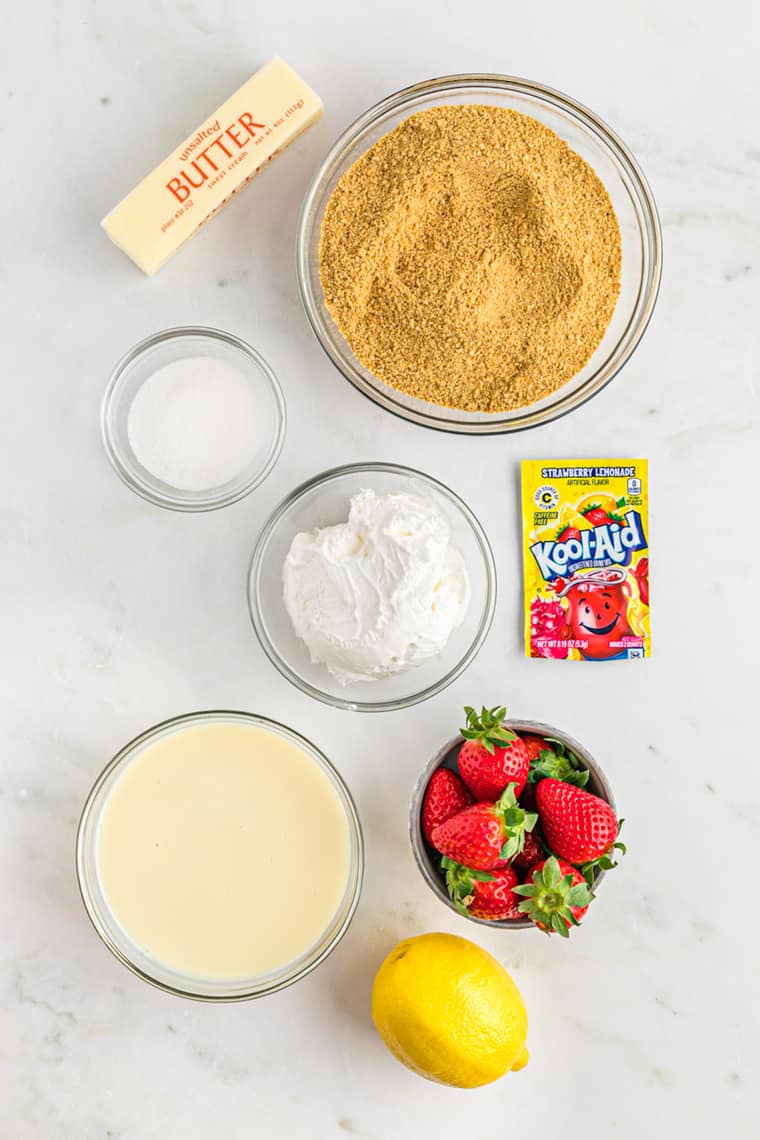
(220, 856)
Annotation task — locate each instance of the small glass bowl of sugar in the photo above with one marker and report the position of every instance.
(193, 419)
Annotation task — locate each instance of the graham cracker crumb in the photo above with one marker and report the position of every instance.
(471, 258)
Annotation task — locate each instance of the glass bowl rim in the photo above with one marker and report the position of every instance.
(205, 716)
(484, 624)
(420, 847)
(202, 500)
(648, 225)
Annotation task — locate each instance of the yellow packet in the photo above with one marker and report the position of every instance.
(586, 559)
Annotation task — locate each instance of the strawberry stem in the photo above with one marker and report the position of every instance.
(603, 862)
(558, 762)
(488, 728)
(460, 882)
(549, 898)
(516, 821)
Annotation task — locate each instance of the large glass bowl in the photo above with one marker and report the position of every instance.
(132, 955)
(324, 501)
(591, 138)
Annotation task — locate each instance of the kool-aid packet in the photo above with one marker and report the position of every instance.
(586, 559)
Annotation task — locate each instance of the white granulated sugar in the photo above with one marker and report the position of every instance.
(194, 423)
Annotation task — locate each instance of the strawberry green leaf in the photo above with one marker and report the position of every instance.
(487, 727)
(603, 862)
(558, 762)
(515, 822)
(579, 895)
(460, 882)
(580, 779)
(549, 899)
(507, 799)
(551, 872)
(559, 925)
(503, 733)
(512, 847)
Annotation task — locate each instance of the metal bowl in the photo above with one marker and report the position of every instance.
(428, 860)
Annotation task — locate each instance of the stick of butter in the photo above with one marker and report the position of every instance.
(208, 168)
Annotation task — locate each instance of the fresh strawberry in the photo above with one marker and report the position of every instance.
(445, 795)
(483, 894)
(565, 533)
(534, 745)
(532, 852)
(492, 755)
(497, 904)
(548, 756)
(577, 825)
(555, 896)
(597, 515)
(485, 836)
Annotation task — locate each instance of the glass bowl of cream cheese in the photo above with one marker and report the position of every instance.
(372, 587)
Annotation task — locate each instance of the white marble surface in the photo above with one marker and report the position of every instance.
(116, 614)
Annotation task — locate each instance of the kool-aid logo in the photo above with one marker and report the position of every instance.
(606, 545)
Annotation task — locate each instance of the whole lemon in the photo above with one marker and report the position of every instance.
(449, 1011)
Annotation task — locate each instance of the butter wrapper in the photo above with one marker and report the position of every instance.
(208, 168)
